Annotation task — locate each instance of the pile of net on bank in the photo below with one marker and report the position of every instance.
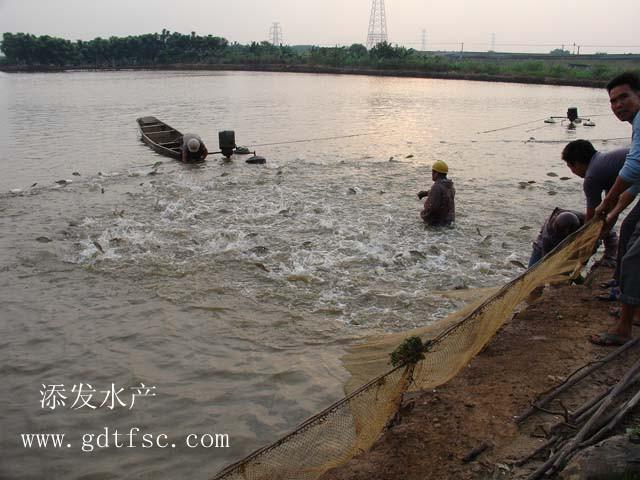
(351, 425)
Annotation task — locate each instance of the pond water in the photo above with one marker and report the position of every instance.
(234, 289)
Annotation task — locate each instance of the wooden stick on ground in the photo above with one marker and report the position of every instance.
(556, 461)
(582, 412)
(552, 441)
(575, 379)
(614, 422)
(628, 378)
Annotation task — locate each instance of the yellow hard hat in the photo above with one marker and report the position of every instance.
(440, 167)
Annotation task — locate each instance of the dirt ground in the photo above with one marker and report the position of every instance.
(534, 352)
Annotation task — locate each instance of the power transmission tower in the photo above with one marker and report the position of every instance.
(493, 42)
(424, 40)
(377, 24)
(275, 34)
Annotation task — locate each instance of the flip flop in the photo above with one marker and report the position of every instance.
(612, 296)
(607, 262)
(609, 284)
(608, 339)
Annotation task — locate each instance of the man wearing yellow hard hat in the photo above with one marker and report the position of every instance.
(439, 207)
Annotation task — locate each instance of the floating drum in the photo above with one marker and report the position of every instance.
(256, 159)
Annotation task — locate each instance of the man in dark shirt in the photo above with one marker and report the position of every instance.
(439, 207)
(600, 170)
(560, 224)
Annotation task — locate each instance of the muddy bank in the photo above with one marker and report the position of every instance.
(473, 414)
(326, 70)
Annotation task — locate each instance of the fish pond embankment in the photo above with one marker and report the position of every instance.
(322, 69)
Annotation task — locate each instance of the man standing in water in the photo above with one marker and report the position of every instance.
(624, 95)
(439, 207)
(193, 148)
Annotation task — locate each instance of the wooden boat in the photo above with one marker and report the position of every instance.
(160, 137)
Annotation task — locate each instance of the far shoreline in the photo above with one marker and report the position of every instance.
(318, 69)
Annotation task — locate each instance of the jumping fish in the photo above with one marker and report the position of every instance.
(98, 246)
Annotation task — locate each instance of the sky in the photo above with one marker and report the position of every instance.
(514, 25)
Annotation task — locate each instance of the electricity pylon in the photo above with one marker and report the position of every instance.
(377, 24)
(275, 34)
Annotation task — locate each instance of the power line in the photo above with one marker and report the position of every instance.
(527, 44)
(498, 44)
(312, 140)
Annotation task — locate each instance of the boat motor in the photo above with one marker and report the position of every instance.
(572, 115)
(227, 141)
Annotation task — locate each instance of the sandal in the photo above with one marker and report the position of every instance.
(608, 262)
(609, 284)
(608, 339)
(612, 296)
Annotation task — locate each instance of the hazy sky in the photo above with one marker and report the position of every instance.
(518, 25)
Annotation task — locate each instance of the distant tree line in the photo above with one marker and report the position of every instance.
(24, 49)
(165, 48)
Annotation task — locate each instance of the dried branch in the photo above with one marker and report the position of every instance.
(622, 412)
(573, 379)
(590, 406)
(550, 443)
(597, 420)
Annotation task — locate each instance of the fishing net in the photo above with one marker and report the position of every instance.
(353, 424)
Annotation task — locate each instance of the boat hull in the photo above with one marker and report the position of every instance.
(162, 138)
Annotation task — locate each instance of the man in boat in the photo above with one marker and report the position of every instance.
(624, 95)
(560, 224)
(439, 207)
(193, 148)
(599, 171)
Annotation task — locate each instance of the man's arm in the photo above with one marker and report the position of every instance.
(433, 202)
(629, 173)
(624, 201)
(205, 152)
(593, 193)
(611, 199)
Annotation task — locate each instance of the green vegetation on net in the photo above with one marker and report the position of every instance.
(411, 350)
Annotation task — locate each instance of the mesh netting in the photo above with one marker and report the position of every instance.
(351, 425)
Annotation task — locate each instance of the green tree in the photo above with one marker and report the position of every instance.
(357, 50)
(559, 51)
